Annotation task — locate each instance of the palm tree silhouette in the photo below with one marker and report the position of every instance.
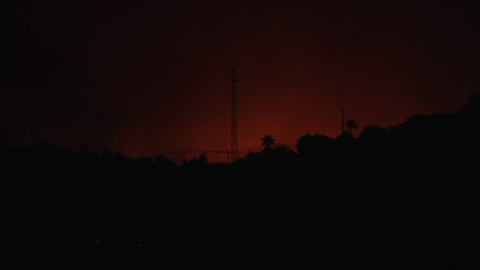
(351, 125)
(268, 141)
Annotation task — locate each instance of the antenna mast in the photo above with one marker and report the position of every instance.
(234, 143)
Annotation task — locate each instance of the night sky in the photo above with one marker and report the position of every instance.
(152, 77)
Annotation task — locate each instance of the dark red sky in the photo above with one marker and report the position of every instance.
(154, 77)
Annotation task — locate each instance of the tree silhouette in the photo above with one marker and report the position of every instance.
(106, 152)
(268, 141)
(374, 134)
(83, 148)
(313, 144)
(474, 99)
(351, 125)
(202, 159)
(473, 105)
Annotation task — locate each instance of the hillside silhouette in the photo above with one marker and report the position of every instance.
(397, 197)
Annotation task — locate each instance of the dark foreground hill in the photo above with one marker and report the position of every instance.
(394, 198)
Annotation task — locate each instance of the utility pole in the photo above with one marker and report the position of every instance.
(234, 143)
(343, 121)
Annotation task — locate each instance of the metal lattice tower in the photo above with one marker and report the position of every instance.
(234, 143)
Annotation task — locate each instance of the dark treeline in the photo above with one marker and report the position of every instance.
(392, 198)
